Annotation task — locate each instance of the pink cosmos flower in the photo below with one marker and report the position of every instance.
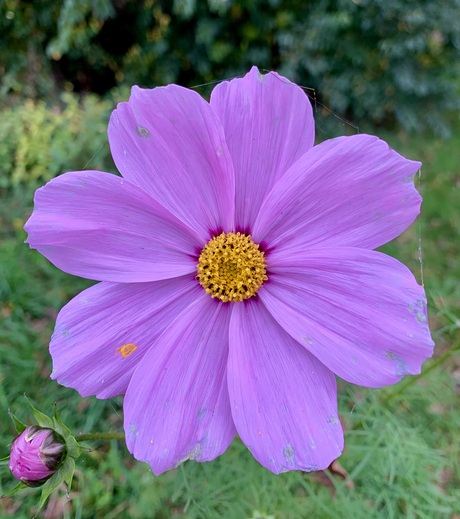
(238, 275)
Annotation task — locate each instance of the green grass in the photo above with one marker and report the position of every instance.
(402, 450)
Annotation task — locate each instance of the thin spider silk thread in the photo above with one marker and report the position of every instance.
(95, 153)
(419, 233)
(309, 91)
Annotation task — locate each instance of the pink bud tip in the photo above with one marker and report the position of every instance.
(35, 455)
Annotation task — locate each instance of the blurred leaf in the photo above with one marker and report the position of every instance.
(17, 488)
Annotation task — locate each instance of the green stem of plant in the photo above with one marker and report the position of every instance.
(100, 436)
(408, 382)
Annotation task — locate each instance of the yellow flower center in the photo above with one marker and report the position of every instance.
(231, 267)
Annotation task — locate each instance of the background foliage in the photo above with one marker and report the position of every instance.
(379, 60)
(38, 143)
(395, 63)
(402, 450)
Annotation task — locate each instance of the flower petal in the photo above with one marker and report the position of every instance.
(284, 401)
(105, 331)
(268, 125)
(177, 406)
(98, 226)
(170, 143)
(353, 191)
(361, 313)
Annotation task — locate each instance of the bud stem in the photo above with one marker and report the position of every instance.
(100, 436)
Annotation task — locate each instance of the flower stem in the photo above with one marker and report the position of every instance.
(100, 436)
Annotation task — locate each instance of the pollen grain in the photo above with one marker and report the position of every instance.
(231, 267)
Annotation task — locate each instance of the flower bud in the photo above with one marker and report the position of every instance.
(36, 454)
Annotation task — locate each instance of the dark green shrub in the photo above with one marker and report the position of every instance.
(380, 61)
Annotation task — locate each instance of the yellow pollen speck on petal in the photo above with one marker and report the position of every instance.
(231, 267)
(126, 350)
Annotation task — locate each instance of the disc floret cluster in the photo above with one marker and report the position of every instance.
(231, 267)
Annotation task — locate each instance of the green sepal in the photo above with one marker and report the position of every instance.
(41, 418)
(63, 473)
(59, 425)
(73, 448)
(18, 425)
(68, 470)
(17, 488)
(47, 489)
